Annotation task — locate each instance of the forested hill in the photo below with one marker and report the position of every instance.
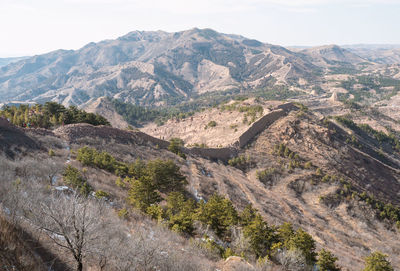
(49, 115)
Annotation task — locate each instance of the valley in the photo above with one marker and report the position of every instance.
(198, 150)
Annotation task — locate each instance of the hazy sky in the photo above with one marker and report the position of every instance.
(30, 27)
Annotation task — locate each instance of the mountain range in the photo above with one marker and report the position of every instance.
(151, 68)
(8, 60)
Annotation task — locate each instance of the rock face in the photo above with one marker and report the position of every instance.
(150, 67)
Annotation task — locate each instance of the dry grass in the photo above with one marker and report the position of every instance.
(15, 254)
(195, 129)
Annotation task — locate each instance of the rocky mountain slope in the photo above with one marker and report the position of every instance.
(150, 67)
(382, 54)
(8, 60)
(320, 175)
(160, 68)
(331, 55)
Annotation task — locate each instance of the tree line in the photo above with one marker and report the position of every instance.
(49, 115)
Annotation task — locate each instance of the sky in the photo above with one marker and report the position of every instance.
(29, 27)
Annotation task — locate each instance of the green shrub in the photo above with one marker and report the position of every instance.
(218, 213)
(180, 212)
(142, 193)
(155, 211)
(326, 178)
(73, 177)
(212, 124)
(247, 215)
(175, 146)
(377, 262)
(241, 162)
(308, 165)
(165, 175)
(119, 182)
(101, 194)
(327, 261)
(305, 243)
(267, 175)
(260, 235)
(103, 160)
(123, 213)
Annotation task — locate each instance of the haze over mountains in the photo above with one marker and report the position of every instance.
(7, 60)
(149, 68)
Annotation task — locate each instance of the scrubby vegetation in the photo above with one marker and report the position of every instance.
(252, 112)
(327, 261)
(177, 108)
(277, 92)
(268, 176)
(382, 210)
(49, 115)
(74, 178)
(241, 162)
(377, 262)
(137, 115)
(149, 184)
(211, 124)
(384, 87)
(382, 138)
(103, 160)
(157, 189)
(175, 146)
(198, 145)
(294, 159)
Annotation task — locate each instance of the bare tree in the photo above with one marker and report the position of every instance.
(51, 168)
(74, 223)
(293, 260)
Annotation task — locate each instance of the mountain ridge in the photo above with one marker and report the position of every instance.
(147, 67)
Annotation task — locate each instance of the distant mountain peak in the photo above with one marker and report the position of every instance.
(149, 67)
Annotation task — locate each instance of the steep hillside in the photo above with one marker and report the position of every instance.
(14, 140)
(336, 180)
(319, 196)
(326, 196)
